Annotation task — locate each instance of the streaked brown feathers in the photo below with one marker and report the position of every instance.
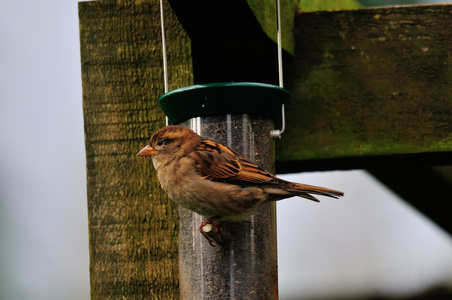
(218, 162)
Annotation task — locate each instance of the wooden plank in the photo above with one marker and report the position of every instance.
(368, 85)
(132, 225)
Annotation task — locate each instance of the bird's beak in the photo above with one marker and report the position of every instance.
(147, 151)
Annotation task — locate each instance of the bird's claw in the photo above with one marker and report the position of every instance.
(212, 232)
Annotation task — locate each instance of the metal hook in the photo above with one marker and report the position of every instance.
(277, 133)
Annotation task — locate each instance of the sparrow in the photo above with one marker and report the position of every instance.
(216, 181)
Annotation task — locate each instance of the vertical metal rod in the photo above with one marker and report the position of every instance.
(278, 36)
(165, 61)
(278, 133)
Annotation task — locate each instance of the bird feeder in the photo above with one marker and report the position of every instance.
(241, 116)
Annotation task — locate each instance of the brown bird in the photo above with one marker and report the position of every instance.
(216, 181)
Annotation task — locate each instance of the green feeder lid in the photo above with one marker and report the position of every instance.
(204, 100)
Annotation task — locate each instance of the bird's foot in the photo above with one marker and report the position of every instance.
(212, 232)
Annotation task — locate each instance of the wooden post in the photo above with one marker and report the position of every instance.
(133, 227)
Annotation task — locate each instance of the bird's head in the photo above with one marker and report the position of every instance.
(170, 141)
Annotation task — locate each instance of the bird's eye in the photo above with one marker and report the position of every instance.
(160, 142)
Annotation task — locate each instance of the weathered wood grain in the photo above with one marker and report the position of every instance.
(132, 225)
(370, 83)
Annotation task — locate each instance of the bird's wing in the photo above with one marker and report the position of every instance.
(217, 162)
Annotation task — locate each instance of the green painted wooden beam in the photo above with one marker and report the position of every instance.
(369, 84)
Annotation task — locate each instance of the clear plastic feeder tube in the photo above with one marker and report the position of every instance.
(246, 267)
(240, 115)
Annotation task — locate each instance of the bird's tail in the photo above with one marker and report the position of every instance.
(307, 191)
